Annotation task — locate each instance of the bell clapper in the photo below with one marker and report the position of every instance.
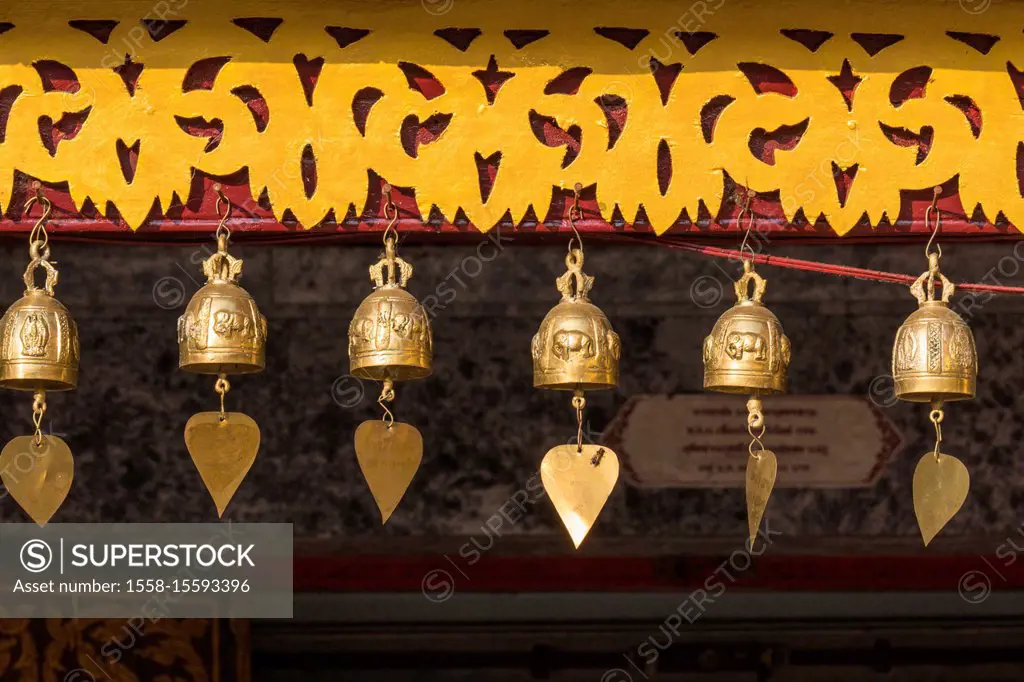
(40, 354)
(389, 340)
(222, 333)
(577, 350)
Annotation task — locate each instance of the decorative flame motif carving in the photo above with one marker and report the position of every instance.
(476, 112)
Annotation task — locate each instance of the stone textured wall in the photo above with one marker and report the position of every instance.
(484, 426)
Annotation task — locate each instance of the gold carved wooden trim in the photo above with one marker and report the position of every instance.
(485, 107)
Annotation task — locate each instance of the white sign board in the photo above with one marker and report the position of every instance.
(700, 441)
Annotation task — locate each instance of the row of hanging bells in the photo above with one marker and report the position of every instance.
(222, 333)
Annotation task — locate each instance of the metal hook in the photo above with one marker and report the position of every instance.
(39, 230)
(745, 209)
(579, 402)
(389, 207)
(938, 224)
(387, 394)
(575, 213)
(936, 416)
(223, 232)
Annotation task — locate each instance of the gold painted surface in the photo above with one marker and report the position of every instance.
(842, 90)
(941, 484)
(579, 479)
(223, 451)
(38, 477)
(389, 456)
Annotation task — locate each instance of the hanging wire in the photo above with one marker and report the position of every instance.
(387, 394)
(223, 231)
(755, 420)
(575, 213)
(391, 215)
(745, 210)
(38, 411)
(39, 238)
(933, 256)
(222, 387)
(936, 416)
(578, 403)
(938, 224)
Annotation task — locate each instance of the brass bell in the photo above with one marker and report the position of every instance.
(389, 340)
(389, 337)
(747, 352)
(38, 338)
(575, 348)
(38, 353)
(935, 361)
(934, 358)
(222, 331)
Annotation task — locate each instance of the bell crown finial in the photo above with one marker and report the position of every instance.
(222, 266)
(398, 271)
(574, 284)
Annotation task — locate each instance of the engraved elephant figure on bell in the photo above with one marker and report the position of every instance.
(229, 324)
(572, 342)
(737, 344)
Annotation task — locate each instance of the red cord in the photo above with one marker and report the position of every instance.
(826, 268)
(843, 270)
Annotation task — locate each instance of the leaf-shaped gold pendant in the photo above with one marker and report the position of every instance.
(38, 477)
(940, 489)
(579, 483)
(389, 457)
(761, 471)
(223, 451)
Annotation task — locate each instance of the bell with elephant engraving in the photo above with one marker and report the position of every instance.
(747, 353)
(577, 350)
(222, 333)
